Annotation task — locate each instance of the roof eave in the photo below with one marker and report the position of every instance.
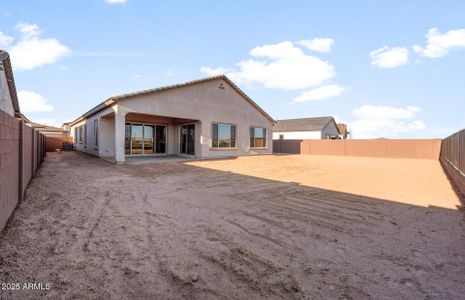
(107, 103)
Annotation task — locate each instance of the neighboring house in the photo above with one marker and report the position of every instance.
(49, 131)
(65, 126)
(306, 128)
(8, 97)
(204, 118)
(344, 133)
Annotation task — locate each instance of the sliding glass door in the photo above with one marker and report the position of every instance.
(160, 139)
(187, 139)
(136, 138)
(143, 139)
(127, 139)
(148, 139)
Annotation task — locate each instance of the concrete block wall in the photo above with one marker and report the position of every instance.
(53, 143)
(26, 158)
(387, 148)
(21, 151)
(34, 152)
(9, 162)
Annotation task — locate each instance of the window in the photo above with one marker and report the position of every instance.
(96, 134)
(257, 137)
(76, 135)
(223, 136)
(80, 134)
(85, 134)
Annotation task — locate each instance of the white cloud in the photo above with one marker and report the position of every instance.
(277, 51)
(116, 1)
(318, 44)
(378, 112)
(279, 66)
(439, 44)
(28, 30)
(321, 93)
(32, 52)
(5, 40)
(214, 71)
(385, 121)
(387, 57)
(33, 102)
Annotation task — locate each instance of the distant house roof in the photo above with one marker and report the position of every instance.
(6, 63)
(113, 100)
(48, 130)
(342, 128)
(304, 124)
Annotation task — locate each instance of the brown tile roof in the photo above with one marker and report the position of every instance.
(304, 124)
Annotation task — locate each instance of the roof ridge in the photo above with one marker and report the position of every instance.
(307, 118)
(304, 124)
(166, 87)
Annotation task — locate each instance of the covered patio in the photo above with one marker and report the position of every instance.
(152, 137)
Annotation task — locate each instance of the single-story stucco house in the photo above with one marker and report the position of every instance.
(319, 128)
(204, 118)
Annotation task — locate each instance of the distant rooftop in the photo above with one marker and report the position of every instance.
(304, 124)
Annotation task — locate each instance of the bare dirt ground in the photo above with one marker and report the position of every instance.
(271, 227)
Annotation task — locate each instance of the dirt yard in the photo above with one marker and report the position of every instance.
(271, 227)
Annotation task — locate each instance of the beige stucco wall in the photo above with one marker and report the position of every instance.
(204, 103)
(106, 143)
(6, 103)
(87, 144)
(208, 103)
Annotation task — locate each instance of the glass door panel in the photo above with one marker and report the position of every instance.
(190, 139)
(187, 139)
(148, 139)
(136, 139)
(183, 140)
(160, 139)
(127, 139)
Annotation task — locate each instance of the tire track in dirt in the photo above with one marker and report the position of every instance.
(313, 208)
(96, 220)
(252, 235)
(247, 269)
(174, 279)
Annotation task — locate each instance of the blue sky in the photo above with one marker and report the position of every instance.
(387, 68)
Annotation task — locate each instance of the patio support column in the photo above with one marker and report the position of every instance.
(120, 120)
